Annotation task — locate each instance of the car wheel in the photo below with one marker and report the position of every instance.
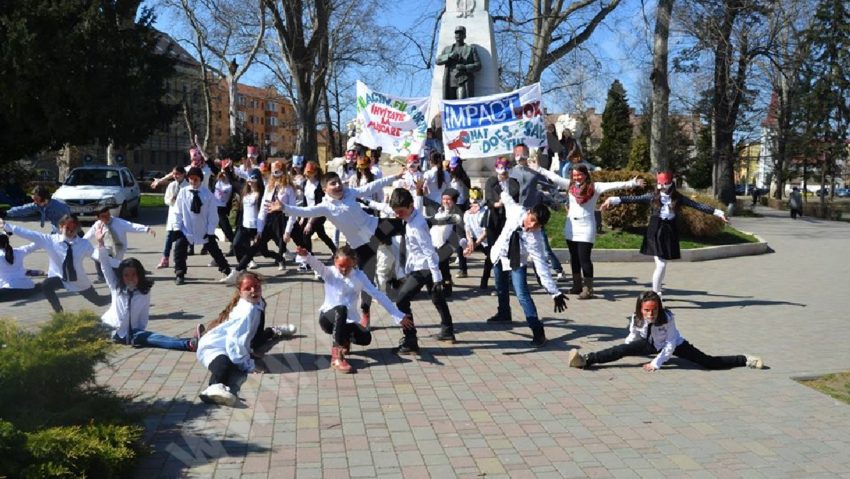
(135, 211)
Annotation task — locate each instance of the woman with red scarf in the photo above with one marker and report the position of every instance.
(580, 226)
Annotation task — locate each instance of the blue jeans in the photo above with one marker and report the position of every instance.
(553, 260)
(155, 340)
(518, 278)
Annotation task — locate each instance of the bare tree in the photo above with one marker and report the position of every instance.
(555, 27)
(658, 148)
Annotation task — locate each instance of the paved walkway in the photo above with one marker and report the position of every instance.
(490, 406)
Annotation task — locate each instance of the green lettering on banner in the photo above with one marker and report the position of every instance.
(399, 105)
(361, 103)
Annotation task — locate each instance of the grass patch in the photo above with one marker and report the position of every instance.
(631, 238)
(836, 386)
(151, 201)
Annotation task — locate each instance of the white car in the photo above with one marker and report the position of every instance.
(89, 189)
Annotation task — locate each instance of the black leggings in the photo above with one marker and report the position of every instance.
(242, 241)
(319, 230)
(580, 258)
(224, 222)
(411, 286)
(50, 285)
(367, 260)
(14, 294)
(271, 232)
(181, 250)
(685, 351)
(335, 322)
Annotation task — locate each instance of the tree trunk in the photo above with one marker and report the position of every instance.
(658, 156)
(232, 114)
(725, 108)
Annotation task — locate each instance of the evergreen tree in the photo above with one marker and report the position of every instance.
(699, 169)
(613, 151)
(79, 72)
(825, 82)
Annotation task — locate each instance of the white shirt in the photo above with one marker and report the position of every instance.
(472, 223)
(665, 338)
(124, 314)
(461, 189)
(14, 276)
(345, 290)
(310, 188)
(170, 199)
(432, 190)
(408, 180)
(530, 244)
(250, 210)
(232, 338)
(222, 193)
(286, 196)
(196, 226)
(120, 228)
(586, 209)
(56, 249)
(346, 214)
(443, 233)
(421, 253)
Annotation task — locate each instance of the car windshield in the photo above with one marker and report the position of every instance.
(94, 177)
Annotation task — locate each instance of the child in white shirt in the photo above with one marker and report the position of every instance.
(65, 250)
(653, 330)
(171, 226)
(116, 230)
(14, 282)
(337, 315)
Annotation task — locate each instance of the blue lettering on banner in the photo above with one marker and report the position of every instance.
(477, 115)
(375, 97)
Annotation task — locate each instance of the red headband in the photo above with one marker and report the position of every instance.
(664, 178)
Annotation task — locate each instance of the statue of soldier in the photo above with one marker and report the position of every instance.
(461, 63)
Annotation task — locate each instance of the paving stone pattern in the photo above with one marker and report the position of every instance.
(491, 406)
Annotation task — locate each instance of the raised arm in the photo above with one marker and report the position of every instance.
(379, 296)
(709, 210)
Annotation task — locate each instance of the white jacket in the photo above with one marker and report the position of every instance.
(232, 338)
(14, 276)
(665, 338)
(195, 226)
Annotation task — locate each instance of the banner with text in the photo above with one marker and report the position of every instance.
(493, 125)
(395, 124)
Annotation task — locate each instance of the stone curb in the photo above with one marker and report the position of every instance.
(699, 254)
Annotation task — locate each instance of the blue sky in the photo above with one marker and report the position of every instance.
(618, 45)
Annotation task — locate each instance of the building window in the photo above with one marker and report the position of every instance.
(271, 106)
(271, 121)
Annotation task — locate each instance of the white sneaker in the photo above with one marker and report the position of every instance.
(755, 362)
(576, 360)
(212, 263)
(218, 394)
(230, 278)
(281, 266)
(284, 331)
(252, 265)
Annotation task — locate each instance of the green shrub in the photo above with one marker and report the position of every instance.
(625, 216)
(72, 427)
(101, 451)
(698, 224)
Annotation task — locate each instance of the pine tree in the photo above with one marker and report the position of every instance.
(613, 151)
(825, 82)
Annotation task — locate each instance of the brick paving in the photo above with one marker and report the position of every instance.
(489, 405)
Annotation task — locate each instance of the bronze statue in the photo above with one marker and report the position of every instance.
(461, 63)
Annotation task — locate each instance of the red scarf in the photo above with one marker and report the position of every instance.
(582, 197)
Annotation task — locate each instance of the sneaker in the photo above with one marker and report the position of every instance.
(303, 268)
(163, 263)
(192, 345)
(230, 278)
(755, 362)
(365, 319)
(200, 329)
(498, 318)
(338, 361)
(316, 275)
(212, 263)
(284, 331)
(576, 360)
(252, 265)
(461, 274)
(180, 280)
(493, 293)
(35, 272)
(281, 266)
(560, 276)
(218, 394)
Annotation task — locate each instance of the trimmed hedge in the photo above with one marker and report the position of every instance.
(55, 421)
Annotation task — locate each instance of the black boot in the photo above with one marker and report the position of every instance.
(446, 334)
(539, 337)
(500, 318)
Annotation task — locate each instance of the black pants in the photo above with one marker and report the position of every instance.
(181, 251)
(224, 222)
(444, 255)
(335, 322)
(50, 285)
(580, 258)
(14, 294)
(242, 241)
(411, 286)
(685, 351)
(795, 212)
(319, 230)
(367, 259)
(222, 368)
(270, 233)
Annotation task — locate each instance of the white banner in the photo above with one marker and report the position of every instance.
(492, 125)
(395, 124)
